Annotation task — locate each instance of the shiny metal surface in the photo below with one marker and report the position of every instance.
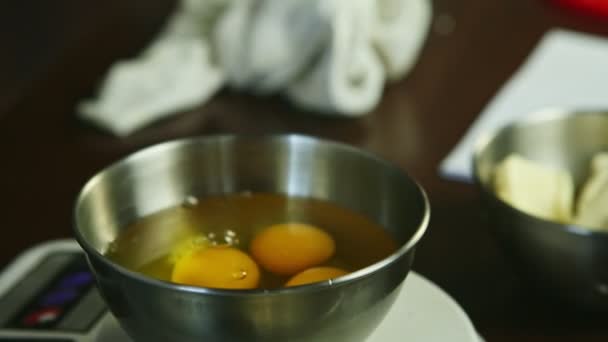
(565, 261)
(164, 175)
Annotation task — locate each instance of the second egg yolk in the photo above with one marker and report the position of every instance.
(220, 267)
(315, 274)
(289, 248)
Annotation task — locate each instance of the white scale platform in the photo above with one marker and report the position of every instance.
(38, 311)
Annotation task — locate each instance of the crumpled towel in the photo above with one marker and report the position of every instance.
(330, 56)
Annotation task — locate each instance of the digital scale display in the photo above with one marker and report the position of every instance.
(49, 294)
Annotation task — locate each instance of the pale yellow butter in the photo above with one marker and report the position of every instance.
(534, 188)
(592, 205)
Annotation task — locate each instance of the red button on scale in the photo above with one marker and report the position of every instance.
(42, 316)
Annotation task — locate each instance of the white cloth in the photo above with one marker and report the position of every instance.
(567, 70)
(349, 76)
(263, 45)
(331, 56)
(398, 31)
(174, 73)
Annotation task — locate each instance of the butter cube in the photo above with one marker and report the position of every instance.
(534, 188)
(592, 205)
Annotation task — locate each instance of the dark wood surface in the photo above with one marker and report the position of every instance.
(55, 52)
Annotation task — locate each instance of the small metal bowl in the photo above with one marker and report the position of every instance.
(346, 309)
(562, 260)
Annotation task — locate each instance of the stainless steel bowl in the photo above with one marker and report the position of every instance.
(347, 309)
(563, 260)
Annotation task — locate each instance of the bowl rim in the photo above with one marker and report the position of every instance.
(540, 116)
(364, 272)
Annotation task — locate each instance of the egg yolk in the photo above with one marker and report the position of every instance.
(315, 274)
(220, 267)
(289, 248)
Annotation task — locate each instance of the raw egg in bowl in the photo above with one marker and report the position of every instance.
(238, 238)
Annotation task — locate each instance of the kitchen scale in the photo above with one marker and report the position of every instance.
(48, 295)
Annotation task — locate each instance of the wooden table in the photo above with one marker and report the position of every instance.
(55, 52)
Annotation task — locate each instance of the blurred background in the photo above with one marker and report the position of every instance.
(56, 54)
